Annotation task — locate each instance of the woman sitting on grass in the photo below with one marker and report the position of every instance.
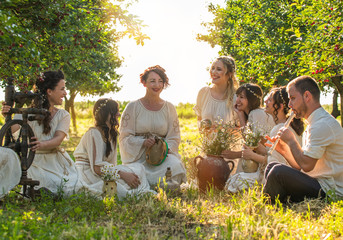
(248, 107)
(96, 155)
(146, 119)
(250, 113)
(277, 106)
(52, 166)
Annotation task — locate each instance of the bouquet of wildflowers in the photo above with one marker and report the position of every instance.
(217, 137)
(109, 173)
(252, 134)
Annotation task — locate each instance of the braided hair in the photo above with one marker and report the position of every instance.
(102, 109)
(230, 65)
(48, 80)
(280, 96)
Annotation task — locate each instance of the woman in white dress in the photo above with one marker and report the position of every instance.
(217, 102)
(151, 115)
(96, 155)
(277, 106)
(10, 170)
(248, 107)
(52, 166)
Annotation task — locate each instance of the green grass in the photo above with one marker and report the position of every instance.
(215, 215)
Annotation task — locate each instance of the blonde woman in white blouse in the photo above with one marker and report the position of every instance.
(217, 102)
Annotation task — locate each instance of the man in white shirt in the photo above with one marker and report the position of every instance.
(317, 167)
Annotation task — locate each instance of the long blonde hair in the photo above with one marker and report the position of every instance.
(230, 65)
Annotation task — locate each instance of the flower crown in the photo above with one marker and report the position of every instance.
(253, 93)
(101, 105)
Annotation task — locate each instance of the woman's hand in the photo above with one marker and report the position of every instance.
(36, 145)
(148, 143)
(241, 116)
(131, 179)
(261, 149)
(5, 109)
(247, 153)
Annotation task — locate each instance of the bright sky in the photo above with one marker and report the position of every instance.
(172, 27)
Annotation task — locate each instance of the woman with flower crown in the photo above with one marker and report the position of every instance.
(276, 105)
(52, 166)
(145, 120)
(217, 102)
(96, 155)
(248, 107)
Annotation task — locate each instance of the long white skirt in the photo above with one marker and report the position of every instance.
(10, 170)
(94, 184)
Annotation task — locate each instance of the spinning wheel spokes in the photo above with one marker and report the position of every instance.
(18, 142)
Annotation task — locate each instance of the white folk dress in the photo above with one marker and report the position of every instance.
(91, 151)
(207, 107)
(241, 180)
(10, 170)
(137, 120)
(54, 169)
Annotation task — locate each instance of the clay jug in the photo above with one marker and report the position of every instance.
(212, 171)
(250, 166)
(169, 185)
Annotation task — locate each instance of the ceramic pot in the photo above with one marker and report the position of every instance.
(249, 166)
(212, 171)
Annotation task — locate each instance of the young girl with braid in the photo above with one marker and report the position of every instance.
(96, 155)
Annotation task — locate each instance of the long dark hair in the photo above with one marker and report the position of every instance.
(103, 108)
(48, 80)
(254, 95)
(280, 96)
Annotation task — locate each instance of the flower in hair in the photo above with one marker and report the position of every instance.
(252, 92)
(101, 105)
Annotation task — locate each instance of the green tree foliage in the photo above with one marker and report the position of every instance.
(275, 41)
(77, 36)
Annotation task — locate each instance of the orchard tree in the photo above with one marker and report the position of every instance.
(78, 36)
(321, 48)
(256, 33)
(275, 41)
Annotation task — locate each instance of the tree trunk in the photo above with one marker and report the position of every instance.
(69, 106)
(337, 81)
(335, 112)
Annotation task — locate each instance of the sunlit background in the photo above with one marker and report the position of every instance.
(172, 27)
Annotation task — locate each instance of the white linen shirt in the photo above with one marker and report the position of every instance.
(323, 140)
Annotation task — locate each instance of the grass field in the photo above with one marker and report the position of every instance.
(215, 215)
